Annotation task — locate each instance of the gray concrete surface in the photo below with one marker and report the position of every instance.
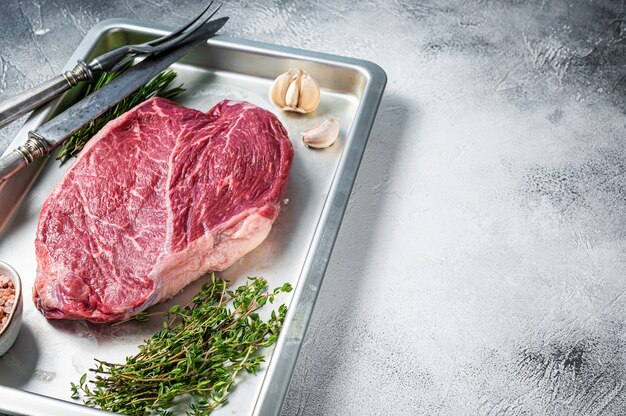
(480, 267)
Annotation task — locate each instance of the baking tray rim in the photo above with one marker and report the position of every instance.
(373, 72)
(282, 362)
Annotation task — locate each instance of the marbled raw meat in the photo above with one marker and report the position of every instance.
(160, 196)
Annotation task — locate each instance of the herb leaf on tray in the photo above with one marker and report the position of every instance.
(195, 359)
(158, 86)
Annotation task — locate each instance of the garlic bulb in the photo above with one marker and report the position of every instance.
(321, 136)
(295, 91)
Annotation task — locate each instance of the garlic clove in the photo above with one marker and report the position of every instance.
(309, 94)
(295, 90)
(321, 136)
(279, 89)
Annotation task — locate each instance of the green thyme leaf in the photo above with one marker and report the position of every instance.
(195, 359)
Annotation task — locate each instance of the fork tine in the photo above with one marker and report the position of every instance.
(108, 60)
(190, 31)
(172, 35)
(167, 44)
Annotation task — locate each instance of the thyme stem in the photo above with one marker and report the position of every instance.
(197, 356)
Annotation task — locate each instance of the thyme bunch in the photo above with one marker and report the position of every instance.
(194, 360)
(158, 86)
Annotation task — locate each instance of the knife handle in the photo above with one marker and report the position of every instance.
(34, 148)
(10, 164)
(17, 106)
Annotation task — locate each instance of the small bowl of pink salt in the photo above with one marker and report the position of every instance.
(11, 306)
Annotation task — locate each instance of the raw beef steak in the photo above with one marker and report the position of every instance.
(160, 196)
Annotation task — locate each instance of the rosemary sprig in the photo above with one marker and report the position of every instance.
(158, 86)
(194, 360)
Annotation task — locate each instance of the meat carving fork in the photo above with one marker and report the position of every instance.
(45, 138)
(17, 106)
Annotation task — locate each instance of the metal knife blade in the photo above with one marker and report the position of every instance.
(50, 135)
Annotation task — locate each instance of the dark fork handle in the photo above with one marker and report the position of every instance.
(107, 60)
(17, 106)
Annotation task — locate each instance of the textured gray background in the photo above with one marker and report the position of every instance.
(480, 267)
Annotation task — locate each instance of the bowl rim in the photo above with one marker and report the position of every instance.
(17, 284)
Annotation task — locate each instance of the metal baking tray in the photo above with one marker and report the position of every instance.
(35, 374)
